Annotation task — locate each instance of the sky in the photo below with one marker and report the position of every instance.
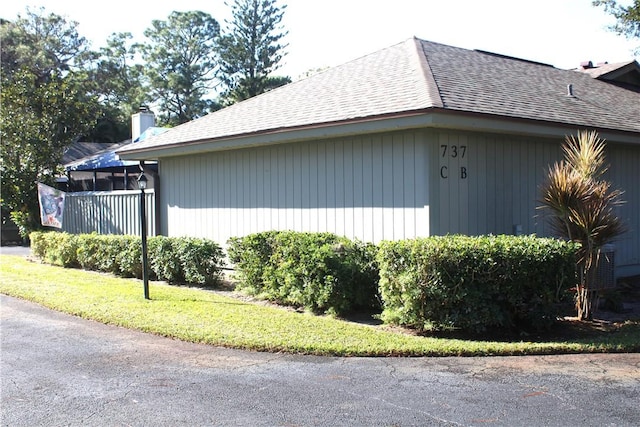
(325, 33)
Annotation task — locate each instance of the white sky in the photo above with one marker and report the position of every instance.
(325, 33)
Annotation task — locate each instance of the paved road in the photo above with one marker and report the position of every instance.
(61, 370)
(15, 250)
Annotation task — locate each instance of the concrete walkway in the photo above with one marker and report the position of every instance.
(58, 369)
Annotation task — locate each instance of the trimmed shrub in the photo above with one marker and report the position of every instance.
(101, 252)
(90, 251)
(39, 243)
(110, 246)
(176, 260)
(201, 260)
(130, 258)
(474, 283)
(57, 248)
(164, 259)
(318, 271)
(250, 256)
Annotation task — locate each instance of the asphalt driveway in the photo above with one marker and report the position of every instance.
(61, 370)
(15, 250)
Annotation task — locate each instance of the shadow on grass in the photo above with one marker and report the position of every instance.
(566, 329)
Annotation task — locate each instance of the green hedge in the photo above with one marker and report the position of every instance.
(55, 248)
(436, 283)
(172, 259)
(318, 271)
(474, 283)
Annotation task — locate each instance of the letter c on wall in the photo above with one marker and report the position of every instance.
(443, 172)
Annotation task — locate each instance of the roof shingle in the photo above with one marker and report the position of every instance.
(419, 75)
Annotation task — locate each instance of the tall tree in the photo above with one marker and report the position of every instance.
(252, 49)
(627, 18)
(117, 79)
(43, 43)
(181, 64)
(45, 106)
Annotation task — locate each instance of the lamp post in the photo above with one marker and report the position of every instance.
(142, 184)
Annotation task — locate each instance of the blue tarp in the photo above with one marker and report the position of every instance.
(152, 131)
(102, 161)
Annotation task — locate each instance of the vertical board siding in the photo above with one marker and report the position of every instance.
(377, 166)
(108, 212)
(502, 188)
(624, 173)
(381, 187)
(358, 187)
(490, 183)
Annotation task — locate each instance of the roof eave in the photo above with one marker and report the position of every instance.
(426, 118)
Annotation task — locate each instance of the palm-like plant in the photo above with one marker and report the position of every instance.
(583, 205)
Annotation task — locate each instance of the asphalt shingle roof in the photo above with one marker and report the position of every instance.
(418, 75)
(480, 82)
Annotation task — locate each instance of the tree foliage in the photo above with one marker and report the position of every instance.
(42, 43)
(627, 17)
(180, 64)
(117, 79)
(45, 106)
(583, 207)
(252, 49)
(56, 90)
(39, 120)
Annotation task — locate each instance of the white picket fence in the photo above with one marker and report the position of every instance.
(108, 212)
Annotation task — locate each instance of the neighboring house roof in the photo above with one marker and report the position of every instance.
(79, 150)
(107, 159)
(415, 77)
(625, 74)
(102, 160)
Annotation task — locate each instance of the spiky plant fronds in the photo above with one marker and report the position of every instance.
(564, 190)
(585, 154)
(582, 207)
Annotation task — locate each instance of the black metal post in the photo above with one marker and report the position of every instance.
(143, 228)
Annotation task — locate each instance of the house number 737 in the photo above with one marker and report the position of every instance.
(454, 150)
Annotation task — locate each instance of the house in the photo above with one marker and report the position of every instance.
(102, 193)
(416, 139)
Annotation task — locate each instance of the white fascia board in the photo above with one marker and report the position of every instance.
(416, 120)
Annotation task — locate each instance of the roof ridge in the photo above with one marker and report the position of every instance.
(429, 92)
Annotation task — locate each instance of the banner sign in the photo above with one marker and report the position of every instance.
(51, 205)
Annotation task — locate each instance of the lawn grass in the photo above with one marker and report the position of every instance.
(202, 316)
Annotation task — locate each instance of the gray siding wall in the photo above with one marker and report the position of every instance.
(108, 212)
(624, 173)
(370, 188)
(378, 187)
(490, 183)
(495, 186)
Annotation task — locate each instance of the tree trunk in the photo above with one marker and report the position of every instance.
(586, 302)
(587, 293)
